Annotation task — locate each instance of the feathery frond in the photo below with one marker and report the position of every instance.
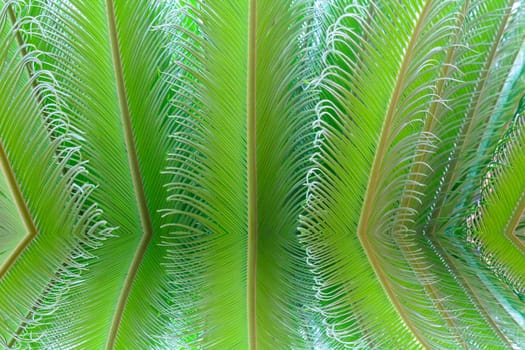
(305, 174)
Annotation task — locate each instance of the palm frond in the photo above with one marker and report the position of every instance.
(207, 214)
(286, 65)
(372, 118)
(306, 174)
(470, 304)
(385, 169)
(97, 75)
(45, 179)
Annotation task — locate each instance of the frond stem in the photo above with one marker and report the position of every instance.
(14, 189)
(418, 170)
(422, 153)
(471, 293)
(135, 176)
(448, 260)
(252, 177)
(448, 182)
(22, 208)
(368, 205)
(34, 308)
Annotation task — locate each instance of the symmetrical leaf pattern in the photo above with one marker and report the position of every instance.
(243, 174)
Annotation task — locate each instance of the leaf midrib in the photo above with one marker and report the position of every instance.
(22, 209)
(442, 252)
(371, 190)
(449, 176)
(470, 291)
(417, 174)
(136, 177)
(252, 177)
(10, 177)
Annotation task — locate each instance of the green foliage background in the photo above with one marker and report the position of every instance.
(242, 174)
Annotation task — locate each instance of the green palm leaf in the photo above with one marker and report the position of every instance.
(43, 175)
(391, 224)
(305, 174)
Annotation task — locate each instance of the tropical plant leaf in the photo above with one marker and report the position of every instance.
(43, 177)
(79, 42)
(208, 239)
(368, 194)
(306, 174)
